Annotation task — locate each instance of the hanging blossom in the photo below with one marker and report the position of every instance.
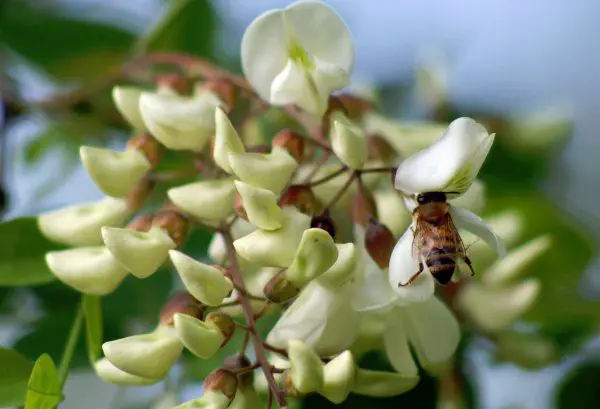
(298, 55)
(448, 166)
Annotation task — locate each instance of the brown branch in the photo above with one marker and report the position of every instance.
(259, 351)
(275, 349)
(341, 192)
(328, 178)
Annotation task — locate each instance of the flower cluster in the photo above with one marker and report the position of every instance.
(317, 222)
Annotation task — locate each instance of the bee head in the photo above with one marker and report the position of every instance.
(431, 197)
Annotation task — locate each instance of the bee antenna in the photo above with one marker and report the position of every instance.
(452, 193)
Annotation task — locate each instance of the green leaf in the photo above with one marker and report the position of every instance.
(72, 49)
(43, 389)
(22, 251)
(579, 389)
(92, 308)
(14, 373)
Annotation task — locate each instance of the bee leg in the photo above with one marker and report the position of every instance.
(414, 277)
(470, 265)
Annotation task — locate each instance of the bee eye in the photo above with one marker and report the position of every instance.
(421, 199)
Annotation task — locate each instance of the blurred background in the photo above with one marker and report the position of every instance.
(531, 67)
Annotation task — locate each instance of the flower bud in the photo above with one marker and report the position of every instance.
(270, 171)
(174, 223)
(110, 373)
(150, 147)
(306, 369)
(379, 384)
(316, 253)
(227, 141)
(201, 338)
(529, 351)
(80, 225)
(343, 268)
(222, 380)
(142, 223)
(175, 82)
(288, 386)
(380, 149)
(495, 308)
(90, 270)
(180, 303)
(206, 200)
(324, 222)
(224, 89)
(115, 173)
(280, 289)
(348, 141)
(223, 322)
(275, 248)
(379, 242)
(517, 261)
(238, 207)
(205, 283)
(141, 253)
(127, 101)
(363, 206)
(338, 375)
(302, 197)
(252, 132)
(260, 205)
(290, 141)
(140, 193)
(354, 105)
(212, 399)
(147, 355)
(391, 211)
(237, 362)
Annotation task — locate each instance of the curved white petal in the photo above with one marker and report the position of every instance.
(348, 141)
(339, 374)
(517, 261)
(127, 100)
(206, 200)
(292, 86)
(450, 164)
(270, 171)
(395, 342)
(465, 219)
(403, 267)
(226, 140)
(433, 331)
(473, 199)
(381, 384)
(260, 206)
(200, 338)
(110, 373)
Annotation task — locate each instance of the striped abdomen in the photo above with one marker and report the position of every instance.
(441, 264)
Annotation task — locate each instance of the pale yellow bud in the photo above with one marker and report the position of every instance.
(306, 368)
(147, 355)
(141, 253)
(339, 376)
(110, 373)
(206, 200)
(516, 262)
(316, 253)
(201, 338)
(207, 284)
(392, 211)
(260, 206)
(90, 270)
(379, 384)
(226, 140)
(275, 248)
(127, 101)
(343, 268)
(115, 173)
(348, 141)
(211, 399)
(270, 171)
(217, 249)
(80, 225)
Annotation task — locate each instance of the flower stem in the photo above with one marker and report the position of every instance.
(67, 355)
(341, 192)
(257, 343)
(328, 178)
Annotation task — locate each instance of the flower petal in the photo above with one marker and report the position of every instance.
(450, 164)
(348, 141)
(343, 268)
(226, 140)
(306, 368)
(380, 384)
(270, 171)
(339, 376)
(110, 373)
(395, 342)
(473, 199)
(200, 338)
(206, 200)
(403, 267)
(465, 219)
(433, 331)
(127, 101)
(316, 253)
(293, 86)
(260, 206)
(517, 261)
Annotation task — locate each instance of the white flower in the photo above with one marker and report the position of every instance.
(180, 122)
(306, 369)
(226, 140)
(298, 55)
(260, 206)
(208, 200)
(348, 141)
(271, 171)
(110, 373)
(80, 225)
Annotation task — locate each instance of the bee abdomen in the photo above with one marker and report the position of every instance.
(441, 264)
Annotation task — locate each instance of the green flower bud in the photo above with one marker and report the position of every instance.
(149, 146)
(343, 268)
(181, 302)
(529, 351)
(306, 370)
(391, 211)
(141, 253)
(275, 248)
(226, 140)
(110, 373)
(280, 289)
(127, 101)
(339, 376)
(517, 261)
(379, 384)
(316, 253)
(147, 355)
(206, 200)
(270, 171)
(212, 399)
(80, 225)
(290, 141)
(223, 322)
(201, 338)
(222, 380)
(115, 173)
(205, 283)
(260, 206)
(348, 141)
(90, 270)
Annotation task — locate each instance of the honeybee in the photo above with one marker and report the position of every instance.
(436, 240)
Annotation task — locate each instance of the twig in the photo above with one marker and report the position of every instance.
(341, 192)
(245, 343)
(328, 178)
(378, 170)
(259, 351)
(275, 349)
